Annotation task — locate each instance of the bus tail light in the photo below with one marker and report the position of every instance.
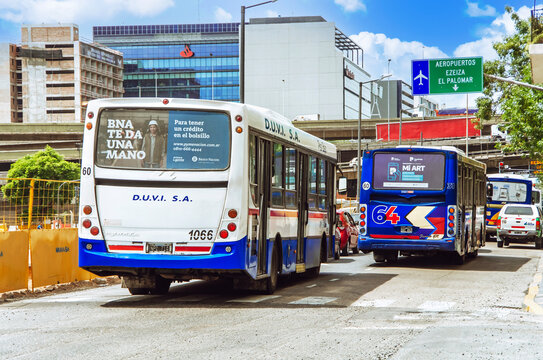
(231, 227)
(86, 223)
(87, 210)
(451, 221)
(94, 230)
(232, 213)
(499, 222)
(223, 234)
(363, 225)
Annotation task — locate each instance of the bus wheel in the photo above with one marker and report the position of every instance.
(473, 254)
(459, 259)
(392, 257)
(139, 291)
(538, 243)
(271, 281)
(378, 256)
(162, 286)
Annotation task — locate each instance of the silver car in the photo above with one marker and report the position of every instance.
(520, 224)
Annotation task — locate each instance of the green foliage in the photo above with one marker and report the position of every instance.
(46, 164)
(520, 107)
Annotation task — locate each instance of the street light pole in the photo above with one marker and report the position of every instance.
(242, 49)
(359, 161)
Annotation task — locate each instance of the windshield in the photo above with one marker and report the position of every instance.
(519, 210)
(163, 139)
(508, 191)
(408, 171)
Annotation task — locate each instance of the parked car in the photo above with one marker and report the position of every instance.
(520, 224)
(347, 231)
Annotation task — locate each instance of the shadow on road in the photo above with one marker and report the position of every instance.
(480, 263)
(328, 290)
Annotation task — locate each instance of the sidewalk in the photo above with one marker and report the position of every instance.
(533, 302)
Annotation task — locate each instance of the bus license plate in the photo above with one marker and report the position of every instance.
(406, 229)
(164, 248)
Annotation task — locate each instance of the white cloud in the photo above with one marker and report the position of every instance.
(378, 48)
(475, 11)
(53, 11)
(222, 15)
(351, 5)
(272, 14)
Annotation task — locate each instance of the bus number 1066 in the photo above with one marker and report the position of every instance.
(201, 234)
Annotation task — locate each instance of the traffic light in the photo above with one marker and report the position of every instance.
(500, 166)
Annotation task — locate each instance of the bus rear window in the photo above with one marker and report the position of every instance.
(163, 139)
(509, 191)
(414, 171)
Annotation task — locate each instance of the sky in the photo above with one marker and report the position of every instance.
(398, 30)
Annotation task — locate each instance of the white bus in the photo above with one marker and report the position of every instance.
(179, 189)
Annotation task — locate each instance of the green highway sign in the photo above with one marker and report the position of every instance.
(447, 76)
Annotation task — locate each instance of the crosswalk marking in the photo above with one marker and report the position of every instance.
(436, 306)
(313, 300)
(254, 299)
(373, 303)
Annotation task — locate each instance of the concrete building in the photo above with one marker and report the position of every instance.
(397, 98)
(8, 83)
(424, 107)
(57, 74)
(304, 66)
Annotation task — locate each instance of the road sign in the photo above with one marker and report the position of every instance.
(447, 76)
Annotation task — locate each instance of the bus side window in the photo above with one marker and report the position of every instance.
(252, 169)
(290, 178)
(322, 184)
(277, 175)
(312, 198)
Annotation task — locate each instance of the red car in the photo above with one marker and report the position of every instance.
(347, 232)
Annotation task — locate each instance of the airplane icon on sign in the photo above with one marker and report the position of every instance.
(420, 76)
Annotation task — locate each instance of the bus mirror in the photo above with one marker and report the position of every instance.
(489, 190)
(342, 185)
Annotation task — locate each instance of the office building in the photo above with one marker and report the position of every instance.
(396, 100)
(199, 61)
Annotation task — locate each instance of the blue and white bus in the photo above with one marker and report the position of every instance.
(178, 189)
(506, 189)
(421, 200)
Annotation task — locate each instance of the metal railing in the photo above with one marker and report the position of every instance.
(38, 204)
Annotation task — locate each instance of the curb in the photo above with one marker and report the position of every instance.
(533, 301)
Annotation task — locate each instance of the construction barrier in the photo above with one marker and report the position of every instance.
(13, 260)
(54, 257)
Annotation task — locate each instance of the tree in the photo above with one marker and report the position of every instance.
(521, 108)
(46, 164)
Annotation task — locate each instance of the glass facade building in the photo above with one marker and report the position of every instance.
(199, 61)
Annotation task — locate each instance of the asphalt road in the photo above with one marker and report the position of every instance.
(419, 308)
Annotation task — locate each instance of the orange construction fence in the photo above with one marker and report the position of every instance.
(53, 258)
(13, 260)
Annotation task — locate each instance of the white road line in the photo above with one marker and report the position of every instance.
(313, 300)
(373, 303)
(311, 286)
(436, 306)
(254, 299)
(333, 279)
